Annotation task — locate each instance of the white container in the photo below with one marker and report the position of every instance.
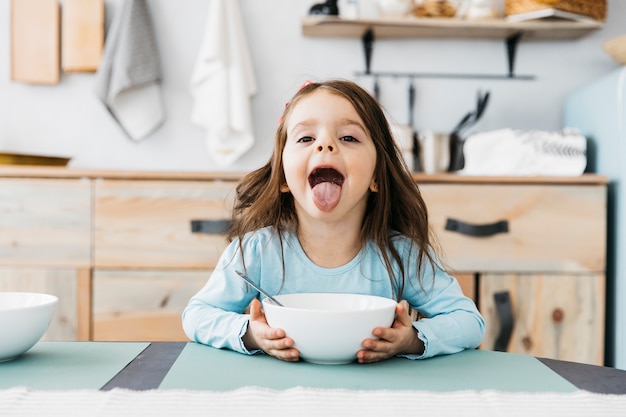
(394, 8)
(329, 328)
(435, 151)
(24, 318)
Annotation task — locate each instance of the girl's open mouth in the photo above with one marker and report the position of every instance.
(326, 184)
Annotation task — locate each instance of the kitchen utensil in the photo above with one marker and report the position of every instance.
(35, 41)
(259, 289)
(82, 37)
(457, 139)
(328, 8)
(368, 46)
(472, 117)
(417, 166)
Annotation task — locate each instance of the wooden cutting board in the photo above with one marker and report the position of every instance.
(83, 35)
(35, 29)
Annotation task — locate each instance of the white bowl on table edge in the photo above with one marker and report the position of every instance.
(24, 319)
(329, 328)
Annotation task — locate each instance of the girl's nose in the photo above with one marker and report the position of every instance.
(321, 148)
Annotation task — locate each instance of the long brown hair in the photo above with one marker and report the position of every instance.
(397, 207)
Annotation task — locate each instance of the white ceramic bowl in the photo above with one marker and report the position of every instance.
(24, 318)
(329, 328)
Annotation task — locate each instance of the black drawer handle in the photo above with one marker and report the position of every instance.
(214, 227)
(504, 311)
(477, 230)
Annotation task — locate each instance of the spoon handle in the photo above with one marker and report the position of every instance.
(259, 289)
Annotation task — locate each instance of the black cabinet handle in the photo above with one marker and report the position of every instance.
(214, 227)
(477, 230)
(505, 316)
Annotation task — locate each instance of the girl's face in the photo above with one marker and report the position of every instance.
(329, 157)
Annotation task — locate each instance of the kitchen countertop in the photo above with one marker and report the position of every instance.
(23, 171)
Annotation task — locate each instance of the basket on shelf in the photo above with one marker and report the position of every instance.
(595, 9)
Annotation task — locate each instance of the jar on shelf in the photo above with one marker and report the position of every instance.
(483, 9)
(394, 8)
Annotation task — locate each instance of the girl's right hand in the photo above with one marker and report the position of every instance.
(272, 341)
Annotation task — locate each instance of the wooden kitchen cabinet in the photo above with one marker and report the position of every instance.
(147, 223)
(119, 250)
(148, 261)
(554, 315)
(140, 305)
(542, 243)
(45, 246)
(45, 221)
(62, 282)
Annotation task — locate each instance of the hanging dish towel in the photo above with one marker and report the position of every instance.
(222, 84)
(129, 76)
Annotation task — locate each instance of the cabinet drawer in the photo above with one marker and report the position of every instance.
(147, 224)
(142, 305)
(45, 222)
(560, 228)
(554, 316)
(60, 282)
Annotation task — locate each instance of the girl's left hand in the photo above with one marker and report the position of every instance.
(400, 338)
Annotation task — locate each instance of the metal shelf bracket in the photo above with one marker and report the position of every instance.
(512, 41)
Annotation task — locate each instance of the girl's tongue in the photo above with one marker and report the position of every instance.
(326, 186)
(326, 195)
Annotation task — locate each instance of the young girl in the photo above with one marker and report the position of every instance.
(334, 210)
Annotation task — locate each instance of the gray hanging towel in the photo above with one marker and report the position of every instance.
(129, 76)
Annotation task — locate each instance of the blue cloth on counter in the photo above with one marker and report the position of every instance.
(213, 316)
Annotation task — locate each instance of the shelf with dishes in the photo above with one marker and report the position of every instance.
(414, 27)
(451, 28)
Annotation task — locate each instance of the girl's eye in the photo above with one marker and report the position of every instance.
(348, 139)
(305, 139)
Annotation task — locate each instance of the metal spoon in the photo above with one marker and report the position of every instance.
(259, 289)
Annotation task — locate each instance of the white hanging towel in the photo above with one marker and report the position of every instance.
(129, 76)
(222, 84)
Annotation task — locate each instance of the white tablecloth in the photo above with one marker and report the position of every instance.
(253, 401)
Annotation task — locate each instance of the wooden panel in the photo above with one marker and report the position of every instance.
(468, 285)
(59, 282)
(35, 41)
(558, 228)
(83, 35)
(147, 224)
(45, 222)
(142, 305)
(84, 294)
(555, 316)
(402, 27)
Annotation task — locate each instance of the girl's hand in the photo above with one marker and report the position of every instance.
(272, 341)
(400, 338)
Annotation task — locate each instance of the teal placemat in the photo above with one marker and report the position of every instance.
(206, 368)
(68, 365)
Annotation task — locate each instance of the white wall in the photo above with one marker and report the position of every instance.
(67, 119)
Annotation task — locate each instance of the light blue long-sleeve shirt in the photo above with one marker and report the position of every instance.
(214, 316)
